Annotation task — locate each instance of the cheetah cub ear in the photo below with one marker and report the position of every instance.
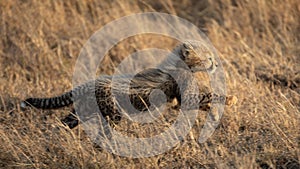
(186, 49)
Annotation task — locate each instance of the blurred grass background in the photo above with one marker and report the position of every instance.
(258, 42)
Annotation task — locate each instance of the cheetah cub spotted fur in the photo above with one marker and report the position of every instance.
(173, 78)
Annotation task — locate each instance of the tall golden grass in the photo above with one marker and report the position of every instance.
(258, 42)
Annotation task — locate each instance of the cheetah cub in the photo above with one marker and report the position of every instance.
(174, 78)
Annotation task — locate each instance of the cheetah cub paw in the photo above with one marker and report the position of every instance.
(231, 100)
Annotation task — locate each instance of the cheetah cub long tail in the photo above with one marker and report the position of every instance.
(60, 101)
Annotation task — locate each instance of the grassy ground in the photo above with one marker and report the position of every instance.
(258, 42)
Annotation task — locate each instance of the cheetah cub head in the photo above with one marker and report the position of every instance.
(198, 57)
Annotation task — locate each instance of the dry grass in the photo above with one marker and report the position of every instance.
(259, 45)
